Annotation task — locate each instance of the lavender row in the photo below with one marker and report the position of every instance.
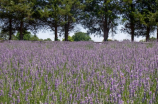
(78, 73)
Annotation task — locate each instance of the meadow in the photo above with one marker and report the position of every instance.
(78, 73)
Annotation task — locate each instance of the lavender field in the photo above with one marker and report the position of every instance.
(78, 73)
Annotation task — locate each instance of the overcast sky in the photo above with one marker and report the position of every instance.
(119, 36)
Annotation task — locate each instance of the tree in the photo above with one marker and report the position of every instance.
(154, 17)
(146, 7)
(7, 17)
(51, 16)
(35, 23)
(128, 14)
(59, 16)
(19, 11)
(23, 11)
(71, 10)
(80, 36)
(100, 16)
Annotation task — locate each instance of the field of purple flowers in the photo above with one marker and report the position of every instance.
(78, 73)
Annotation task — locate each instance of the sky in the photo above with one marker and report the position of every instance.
(119, 36)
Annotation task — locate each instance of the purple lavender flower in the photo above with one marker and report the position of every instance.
(18, 99)
(1, 93)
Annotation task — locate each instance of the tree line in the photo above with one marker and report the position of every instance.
(138, 17)
(78, 36)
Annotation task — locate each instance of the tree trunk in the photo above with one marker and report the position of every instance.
(132, 32)
(106, 34)
(147, 34)
(132, 24)
(56, 35)
(21, 30)
(66, 32)
(106, 30)
(66, 28)
(10, 29)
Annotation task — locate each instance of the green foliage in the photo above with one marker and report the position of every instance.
(1, 38)
(48, 39)
(61, 12)
(128, 17)
(27, 36)
(14, 37)
(100, 16)
(108, 40)
(145, 16)
(80, 36)
(143, 40)
(152, 39)
(126, 40)
(16, 15)
(34, 38)
(41, 40)
(4, 35)
(154, 17)
(69, 39)
(145, 11)
(115, 40)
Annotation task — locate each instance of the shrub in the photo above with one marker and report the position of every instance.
(48, 39)
(69, 39)
(80, 36)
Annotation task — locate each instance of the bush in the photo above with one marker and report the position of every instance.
(80, 36)
(41, 40)
(152, 39)
(142, 40)
(69, 39)
(108, 40)
(34, 38)
(1, 38)
(27, 36)
(48, 39)
(126, 40)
